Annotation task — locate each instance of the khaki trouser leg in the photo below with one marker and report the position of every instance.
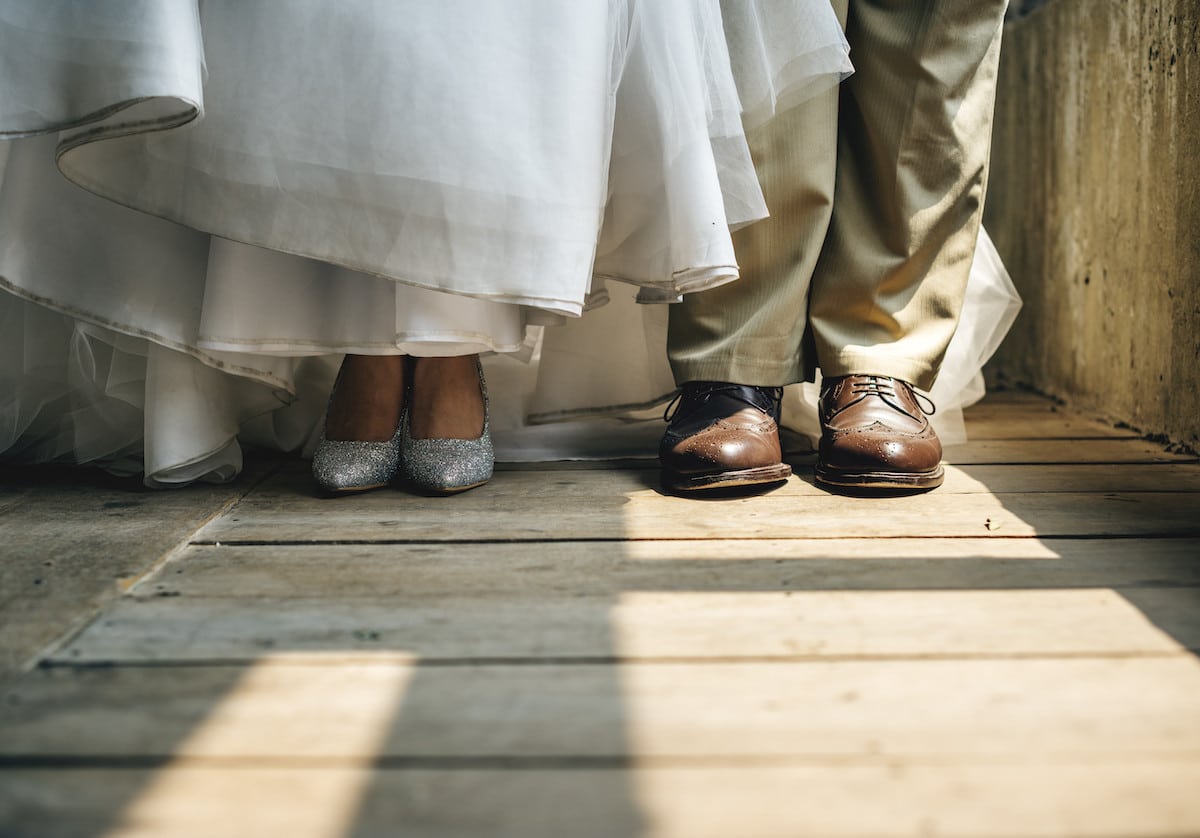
(912, 160)
(914, 140)
(751, 331)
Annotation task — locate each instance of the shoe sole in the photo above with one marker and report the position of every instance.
(451, 490)
(880, 480)
(348, 490)
(727, 479)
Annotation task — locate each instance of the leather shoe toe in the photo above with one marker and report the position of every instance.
(875, 434)
(721, 436)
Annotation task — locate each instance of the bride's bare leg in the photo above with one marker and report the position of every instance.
(446, 401)
(367, 402)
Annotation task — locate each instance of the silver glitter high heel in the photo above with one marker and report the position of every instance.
(448, 466)
(346, 466)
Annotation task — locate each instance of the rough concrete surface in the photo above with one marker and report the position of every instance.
(1095, 205)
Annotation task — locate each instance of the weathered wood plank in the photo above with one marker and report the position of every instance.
(572, 505)
(425, 572)
(1013, 451)
(996, 418)
(74, 538)
(12, 491)
(960, 479)
(1026, 479)
(1049, 426)
(648, 625)
(963, 710)
(1133, 798)
(294, 478)
(997, 396)
(996, 405)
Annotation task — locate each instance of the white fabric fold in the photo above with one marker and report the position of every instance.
(271, 184)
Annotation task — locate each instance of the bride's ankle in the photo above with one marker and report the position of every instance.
(447, 402)
(367, 399)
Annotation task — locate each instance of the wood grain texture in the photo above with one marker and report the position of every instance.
(820, 711)
(1132, 797)
(786, 625)
(416, 573)
(73, 539)
(1040, 450)
(567, 651)
(620, 505)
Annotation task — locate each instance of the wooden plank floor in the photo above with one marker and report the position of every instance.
(568, 652)
(54, 573)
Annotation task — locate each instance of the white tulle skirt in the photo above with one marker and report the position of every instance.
(271, 184)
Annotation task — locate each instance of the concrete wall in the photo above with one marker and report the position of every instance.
(1095, 205)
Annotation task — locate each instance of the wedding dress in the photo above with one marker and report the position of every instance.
(268, 185)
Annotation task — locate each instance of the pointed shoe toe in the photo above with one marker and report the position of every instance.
(448, 466)
(347, 466)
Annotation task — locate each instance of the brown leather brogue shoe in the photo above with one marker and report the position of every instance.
(875, 435)
(722, 436)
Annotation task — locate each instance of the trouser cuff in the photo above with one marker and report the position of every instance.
(919, 373)
(752, 372)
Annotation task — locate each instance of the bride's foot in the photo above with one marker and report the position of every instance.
(446, 442)
(360, 445)
(447, 402)
(367, 399)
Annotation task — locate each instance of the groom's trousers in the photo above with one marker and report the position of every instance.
(875, 191)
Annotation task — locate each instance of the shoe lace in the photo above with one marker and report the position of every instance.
(885, 388)
(694, 394)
